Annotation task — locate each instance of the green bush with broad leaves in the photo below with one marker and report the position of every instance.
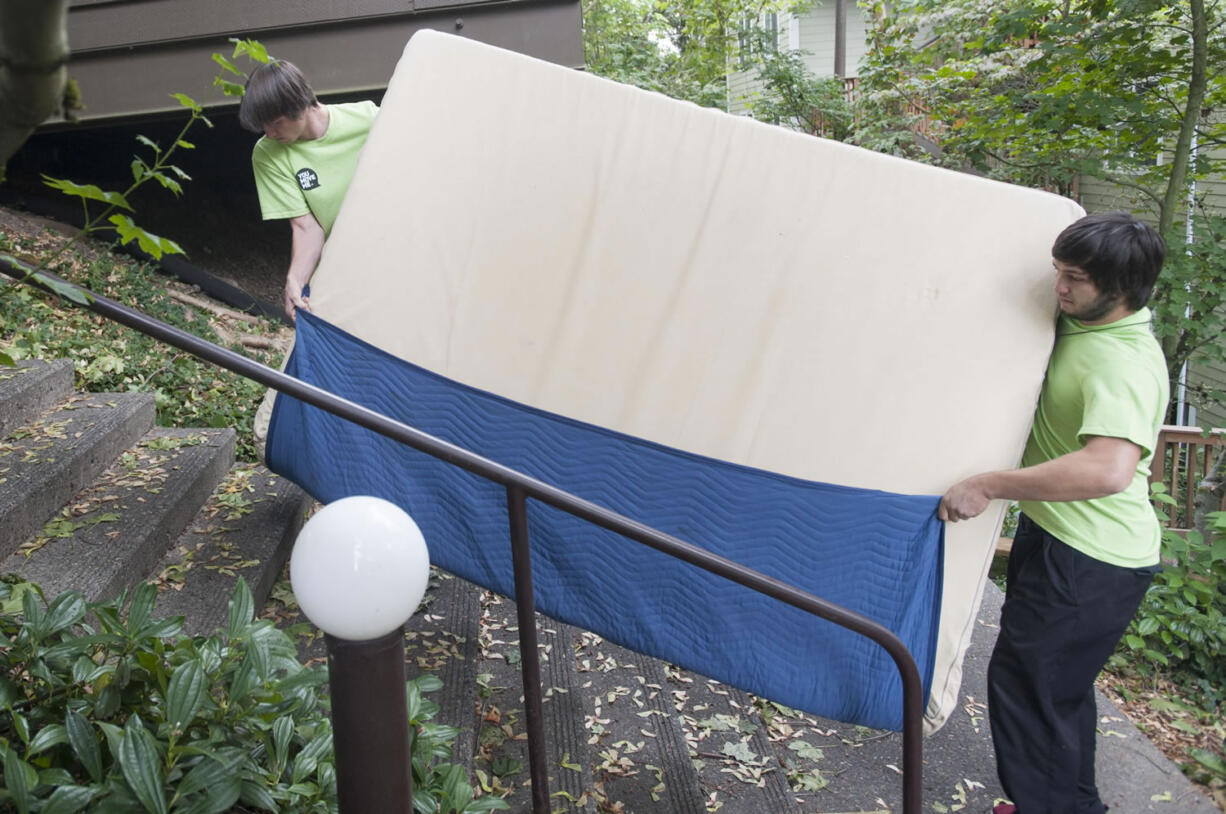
(105, 708)
(1180, 628)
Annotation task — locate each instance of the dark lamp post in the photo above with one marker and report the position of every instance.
(359, 569)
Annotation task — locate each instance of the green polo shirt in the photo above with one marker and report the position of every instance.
(312, 176)
(1102, 380)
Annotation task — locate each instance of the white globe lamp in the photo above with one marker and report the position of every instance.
(359, 568)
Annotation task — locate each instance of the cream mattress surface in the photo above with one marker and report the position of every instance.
(703, 281)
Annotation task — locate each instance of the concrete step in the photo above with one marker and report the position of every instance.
(47, 461)
(30, 388)
(442, 638)
(636, 708)
(568, 748)
(737, 763)
(245, 529)
(501, 747)
(112, 532)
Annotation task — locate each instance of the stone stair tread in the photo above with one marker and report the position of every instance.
(737, 766)
(656, 714)
(501, 742)
(566, 733)
(441, 638)
(115, 529)
(30, 388)
(47, 461)
(246, 528)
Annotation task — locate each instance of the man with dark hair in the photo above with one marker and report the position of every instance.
(1087, 542)
(304, 162)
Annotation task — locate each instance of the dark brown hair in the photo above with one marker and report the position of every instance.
(274, 90)
(1121, 254)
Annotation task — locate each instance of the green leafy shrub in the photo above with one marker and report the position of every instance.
(1180, 627)
(106, 708)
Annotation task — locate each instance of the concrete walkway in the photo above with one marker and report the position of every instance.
(628, 734)
(1133, 775)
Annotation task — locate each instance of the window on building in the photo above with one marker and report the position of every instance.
(770, 25)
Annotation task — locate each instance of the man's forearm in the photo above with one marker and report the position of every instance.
(1102, 467)
(301, 267)
(308, 246)
(1075, 476)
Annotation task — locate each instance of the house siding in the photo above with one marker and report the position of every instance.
(1097, 195)
(125, 55)
(1211, 375)
(817, 38)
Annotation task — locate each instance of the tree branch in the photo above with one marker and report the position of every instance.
(1197, 83)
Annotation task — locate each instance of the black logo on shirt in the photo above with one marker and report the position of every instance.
(308, 179)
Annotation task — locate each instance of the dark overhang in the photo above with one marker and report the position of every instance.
(128, 56)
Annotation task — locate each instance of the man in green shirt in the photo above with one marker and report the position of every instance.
(1087, 542)
(304, 162)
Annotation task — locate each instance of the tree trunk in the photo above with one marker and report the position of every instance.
(33, 57)
(1176, 185)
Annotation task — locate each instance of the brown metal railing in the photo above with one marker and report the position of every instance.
(520, 488)
(1182, 457)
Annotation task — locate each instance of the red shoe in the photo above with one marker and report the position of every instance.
(1004, 808)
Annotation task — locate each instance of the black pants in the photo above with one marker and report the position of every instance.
(1064, 612)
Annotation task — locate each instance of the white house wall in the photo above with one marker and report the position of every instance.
(817, 38)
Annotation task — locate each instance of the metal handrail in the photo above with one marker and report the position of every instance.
(520, 487)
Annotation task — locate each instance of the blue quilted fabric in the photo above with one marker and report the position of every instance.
(876, 553)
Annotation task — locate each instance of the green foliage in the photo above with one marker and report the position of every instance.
(1210, 766)
(1180, 627)
(438, 787)
(1040, 91)
(254, 50)
(791, 96)
(681, 48)
(627, 41)
(108, 357)
(111, 358)
(155, 166)
(1048, 93)
(1189, 318)
(100, 207)
(125, 714)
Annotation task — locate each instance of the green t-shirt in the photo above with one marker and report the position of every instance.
(1102, 380)
(312, 176)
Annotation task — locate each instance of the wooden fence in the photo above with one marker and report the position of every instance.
(1182, 458)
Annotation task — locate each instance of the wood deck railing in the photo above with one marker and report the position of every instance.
(1182, 458)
